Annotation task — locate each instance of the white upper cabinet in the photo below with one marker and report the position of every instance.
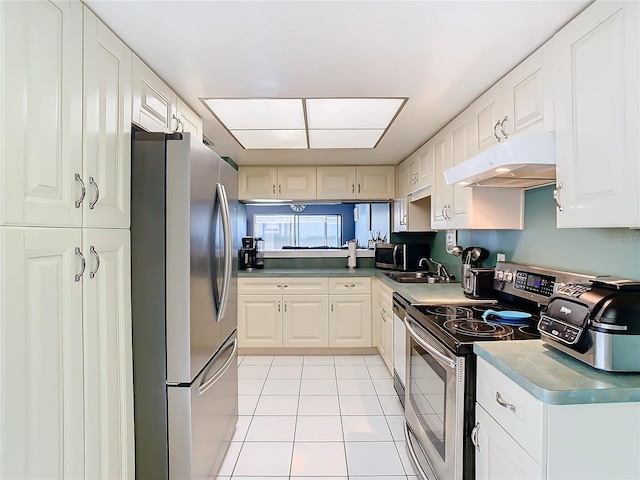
(596, 107)
(154, 103)
(107, 126)
(188, 121)
(528, 98)
(41, 113)
(297, 183)
(442, 195)
(257, 182)
(335, 182)
(375, 182)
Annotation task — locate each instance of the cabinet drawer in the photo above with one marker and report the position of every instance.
(349, 285)
(282, 285)
(522, 415)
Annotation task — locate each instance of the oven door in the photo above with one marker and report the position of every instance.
(434, 404)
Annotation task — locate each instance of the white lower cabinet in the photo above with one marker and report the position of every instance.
(305, 321)
(304, 312)
(518, 436)
(66, 378)
(498, 455)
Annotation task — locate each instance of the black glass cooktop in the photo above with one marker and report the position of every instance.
(458, 326)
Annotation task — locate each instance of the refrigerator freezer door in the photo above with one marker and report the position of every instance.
(193, 334)
(203, 417)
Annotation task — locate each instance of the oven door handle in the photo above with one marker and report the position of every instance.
(428, 347)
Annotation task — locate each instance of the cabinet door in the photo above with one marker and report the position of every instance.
(188, 120)
(413, 168)
(41, 420)
(528, 96)
(336, 183)
(400, 203)
(385, 333)
(108, 370)
(486, 112)
(350, 320)
(500, 457)
(260, 320)
(154, 103)
(41, 98)
(257, 182)
(375, 182)
(107, 126)
(459, 196)
(425, 168)
(441, 197)
(305, 321)
(297, 183)
(596, 65)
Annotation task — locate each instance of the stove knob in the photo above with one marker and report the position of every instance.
(508, 277)
(499, 275)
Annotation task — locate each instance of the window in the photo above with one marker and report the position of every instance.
(280, 231)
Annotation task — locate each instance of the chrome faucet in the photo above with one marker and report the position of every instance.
(441, 271)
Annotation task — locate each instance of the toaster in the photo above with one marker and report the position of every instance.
(597, 323)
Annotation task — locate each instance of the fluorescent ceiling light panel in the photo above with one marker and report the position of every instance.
(344, 138)
(352, 113)
(270, 139)
(258, 113)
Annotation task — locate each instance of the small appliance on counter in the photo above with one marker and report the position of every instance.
(599, 324)
(251, 254)
(478, 283)
(400, 256)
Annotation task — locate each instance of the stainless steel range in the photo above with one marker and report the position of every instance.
(441, 367)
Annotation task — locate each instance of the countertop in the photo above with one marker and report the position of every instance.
(556, 378)
(440, 293)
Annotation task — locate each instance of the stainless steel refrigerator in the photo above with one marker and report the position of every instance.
(184, 306)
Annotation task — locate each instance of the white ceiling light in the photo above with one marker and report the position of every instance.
(271, 123)
(344, 138)
(351, 113)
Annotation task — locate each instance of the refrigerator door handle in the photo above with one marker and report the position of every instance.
(206, 385)
(226, 231)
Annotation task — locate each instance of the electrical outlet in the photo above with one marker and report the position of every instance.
(451, 240)
(500, 257)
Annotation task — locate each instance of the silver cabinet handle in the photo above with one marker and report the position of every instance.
(84, 190)
(353, 188)
(504, 134)
(332, 306)
(282, 286)
(358, 188)
(274, 188)
(83, 266)
(501, 402)
(280, 189)
(279, 305)
(474, 436)
(178, 124)
(556, 196)
(285, 306)
(95, 200)
(97, 257)
(350, 285)
(494, 131)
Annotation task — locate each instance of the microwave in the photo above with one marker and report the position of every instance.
(400, 256)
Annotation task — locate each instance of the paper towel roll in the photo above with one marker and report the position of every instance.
(351, 262)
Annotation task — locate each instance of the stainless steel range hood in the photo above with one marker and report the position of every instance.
(528, 160)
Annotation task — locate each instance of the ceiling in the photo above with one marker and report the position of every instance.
(442, 55)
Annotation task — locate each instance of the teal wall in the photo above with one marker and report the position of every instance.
(613, 251)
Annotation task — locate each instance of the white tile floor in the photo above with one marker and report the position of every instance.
(322, 417)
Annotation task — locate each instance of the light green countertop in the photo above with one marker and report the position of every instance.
(556, 378)
(440, 293)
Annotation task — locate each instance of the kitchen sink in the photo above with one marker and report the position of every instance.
(416, 277)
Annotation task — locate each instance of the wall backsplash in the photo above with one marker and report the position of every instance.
(612, 251)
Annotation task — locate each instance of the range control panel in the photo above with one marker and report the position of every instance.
(561, 331)
(534, 283)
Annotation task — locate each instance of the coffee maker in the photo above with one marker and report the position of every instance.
(251, 256)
